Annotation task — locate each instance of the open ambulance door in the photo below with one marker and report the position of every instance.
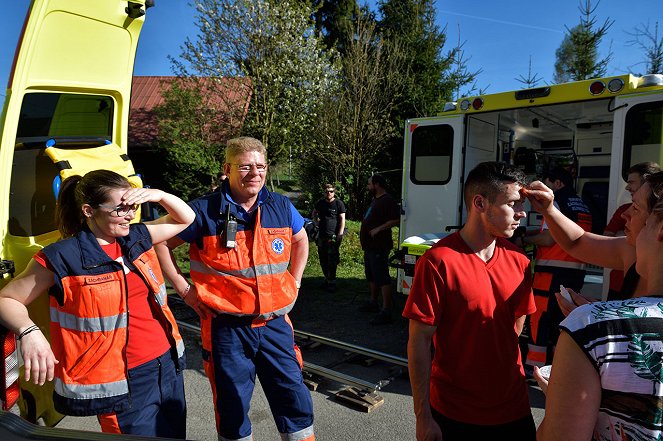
(69, 89)
(431, 196)
(638, 137)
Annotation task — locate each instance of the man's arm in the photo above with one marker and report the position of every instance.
(341, 224)
(172, 272)
(419, 367)
(385, 226)
(520, 324)
(299, 254)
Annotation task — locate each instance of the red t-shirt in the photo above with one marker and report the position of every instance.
(617, 222)
(477, 375)
(147, 337)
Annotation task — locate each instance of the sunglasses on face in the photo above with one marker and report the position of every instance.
(121, 210)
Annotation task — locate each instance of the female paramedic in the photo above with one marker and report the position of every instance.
(115, 350)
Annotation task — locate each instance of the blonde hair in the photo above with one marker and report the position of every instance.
(243, 144)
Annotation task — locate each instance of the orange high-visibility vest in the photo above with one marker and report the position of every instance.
(252, 279)
(89, 319)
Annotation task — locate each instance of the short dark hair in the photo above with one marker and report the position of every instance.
(487, 179)
(645, 169)
(559, 173)
(380, 180)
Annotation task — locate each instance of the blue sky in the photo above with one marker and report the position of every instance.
(498, 40)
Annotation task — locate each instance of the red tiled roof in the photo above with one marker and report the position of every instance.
(146, 94)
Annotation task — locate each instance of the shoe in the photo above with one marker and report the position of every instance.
(383, 318)
(369, 307)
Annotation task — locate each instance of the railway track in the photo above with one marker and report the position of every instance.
(360, 393)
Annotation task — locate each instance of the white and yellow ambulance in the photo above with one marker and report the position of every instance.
(598, 127)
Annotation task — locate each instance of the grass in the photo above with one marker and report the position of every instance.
(351, 267)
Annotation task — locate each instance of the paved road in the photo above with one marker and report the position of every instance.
(392, 421)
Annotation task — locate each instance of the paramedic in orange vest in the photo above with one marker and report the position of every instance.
(115, 349)
(554, 267)
(248, 250)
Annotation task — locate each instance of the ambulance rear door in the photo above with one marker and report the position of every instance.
(69, 86)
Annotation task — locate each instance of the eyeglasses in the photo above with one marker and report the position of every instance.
(245, 168)
(121, 210)
(329, 191)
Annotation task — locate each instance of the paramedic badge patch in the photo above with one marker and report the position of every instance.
(278, 246)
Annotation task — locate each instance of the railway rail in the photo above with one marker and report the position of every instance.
(359, 393)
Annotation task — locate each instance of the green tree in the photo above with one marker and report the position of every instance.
(532, 79)
(431, 74)
(649, 41)
(275, 45)
(411, 24)
(334, 20)
(577, 57)
(353, 126)
(189, 139)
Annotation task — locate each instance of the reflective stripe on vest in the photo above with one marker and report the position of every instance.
(88, 324)
(247, 273)
(561, 264)
(91, 391)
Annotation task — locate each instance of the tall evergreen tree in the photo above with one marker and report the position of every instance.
(334, 19)
(577, 58)
(412, 24)
(431, 74)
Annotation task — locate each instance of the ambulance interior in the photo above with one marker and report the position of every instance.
(574, 135)
(578, 136)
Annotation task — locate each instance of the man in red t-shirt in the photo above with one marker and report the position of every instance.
(470, 294)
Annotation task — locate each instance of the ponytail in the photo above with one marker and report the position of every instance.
(68, 214)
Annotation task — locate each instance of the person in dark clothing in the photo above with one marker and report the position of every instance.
(554, 267)
(329, 213)
(375, 238)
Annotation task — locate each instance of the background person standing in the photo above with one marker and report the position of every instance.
(329, 213)
(375, 238)
(554, 267)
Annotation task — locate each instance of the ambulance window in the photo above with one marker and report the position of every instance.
(73, 120)
(643, 135)
(431, 154)
(52, 115)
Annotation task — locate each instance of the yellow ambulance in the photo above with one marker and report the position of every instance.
(66, 112)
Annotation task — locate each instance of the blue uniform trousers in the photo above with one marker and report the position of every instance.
(239, 352)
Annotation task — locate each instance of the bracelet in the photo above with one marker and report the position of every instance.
(186, 291)
(298, 283)
(27, 331)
